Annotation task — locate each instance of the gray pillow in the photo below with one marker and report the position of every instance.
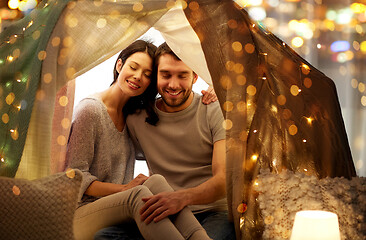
(39, 209)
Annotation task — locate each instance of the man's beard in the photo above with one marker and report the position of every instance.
(176, 102)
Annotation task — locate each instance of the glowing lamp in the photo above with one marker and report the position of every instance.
(315, 225)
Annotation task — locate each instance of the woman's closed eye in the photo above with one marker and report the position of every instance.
(147, 74)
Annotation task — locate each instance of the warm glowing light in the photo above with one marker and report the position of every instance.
(254, 157)
(281, 100)
(273, 3)
(295, 90)
(292, 130)
(359, 28)
(137, 7)
(30, 24)
(243, 3)
(363, 101)
(251, 90)
(70, 173)
(10, 98)
(331, 15)
(330, 25)
(228, 106)
(26, 5)
(297, 42)
(361, 87)
(13, 4)
(237, 46)
(293, 24)
(101, 23)
(227, 124)
(257, 13)
(14, 134)
(5, 118)
(63, 101)
(61, 140)
(305, 69)
(304, 140)
(310, 120)
(323, 225)
(226, 82)
(358, 8)
(10, 58)
(354, 83)
(242, 208)
(363, 46)
(2, 159)
(241, 222)
(344, 16)
(16, 190)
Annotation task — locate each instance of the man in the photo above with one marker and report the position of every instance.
(187, 147)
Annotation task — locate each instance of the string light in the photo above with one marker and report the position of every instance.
(309, 120)
(254, 157)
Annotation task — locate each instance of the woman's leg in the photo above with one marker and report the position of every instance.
(118, 208)
(185, 221)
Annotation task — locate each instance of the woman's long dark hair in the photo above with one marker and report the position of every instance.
(147, 99)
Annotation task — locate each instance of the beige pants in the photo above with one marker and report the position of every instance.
(124, 207)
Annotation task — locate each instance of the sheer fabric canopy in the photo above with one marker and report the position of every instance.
(280, 112)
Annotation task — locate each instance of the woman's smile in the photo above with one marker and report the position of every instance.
(133, 85)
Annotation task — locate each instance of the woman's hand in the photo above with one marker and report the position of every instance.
(209, 95)
(101, 189)
(139, 180)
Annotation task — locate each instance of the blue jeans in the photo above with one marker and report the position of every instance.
(216, 225)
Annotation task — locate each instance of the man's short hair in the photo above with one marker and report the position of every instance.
(164, 49)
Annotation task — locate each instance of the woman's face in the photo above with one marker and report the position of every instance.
(134, 74)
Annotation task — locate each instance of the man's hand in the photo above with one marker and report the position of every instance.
(160, 206)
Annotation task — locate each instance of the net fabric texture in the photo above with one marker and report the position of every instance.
(46, 51)
(281, 112)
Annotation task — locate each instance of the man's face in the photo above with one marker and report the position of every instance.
(175, 80)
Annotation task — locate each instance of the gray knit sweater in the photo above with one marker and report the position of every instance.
(97, 148)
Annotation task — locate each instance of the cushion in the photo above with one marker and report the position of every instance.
(41, 208)
(282, 195)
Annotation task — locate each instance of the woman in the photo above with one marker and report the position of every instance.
(99, 146)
